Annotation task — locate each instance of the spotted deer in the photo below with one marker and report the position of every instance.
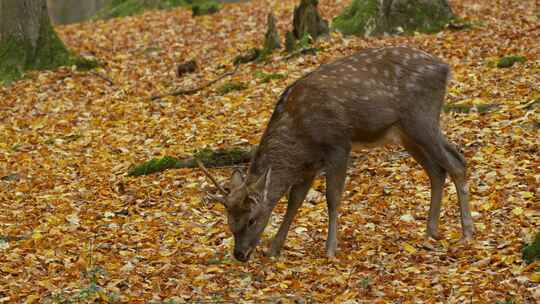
(376, 96)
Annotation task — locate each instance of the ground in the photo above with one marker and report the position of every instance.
(74, 226)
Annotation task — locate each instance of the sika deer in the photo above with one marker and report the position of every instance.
(377, 96)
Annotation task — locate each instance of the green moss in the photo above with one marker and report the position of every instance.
(18, 55)
(12, 59)
(358, 18)
(290, 42)
(200, 8)
(124, 8)
(268, 77)
(374, 17)
(421, 16)
(231, 86)
(508, 61)
(51, 51)
(210, 158)
(154, 165)
(84, 63)
(531, 251)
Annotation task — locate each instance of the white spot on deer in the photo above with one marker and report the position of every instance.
(356, 80)
(353, 68)
(386, 73)
(364, 69)
(374, 70)
(369, 61)
(396, 52)
(410, 86)
(364, 97)
(433, 67)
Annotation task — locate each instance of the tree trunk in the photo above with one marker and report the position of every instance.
(27, 39)
(307, 20)
(379, 17)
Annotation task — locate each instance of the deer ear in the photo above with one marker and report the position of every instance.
(237, 180)
(262, 184)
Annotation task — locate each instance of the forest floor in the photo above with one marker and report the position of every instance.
(74, 227)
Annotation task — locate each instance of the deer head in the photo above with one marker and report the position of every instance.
(247, 207)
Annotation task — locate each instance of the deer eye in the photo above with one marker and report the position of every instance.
(252, 221)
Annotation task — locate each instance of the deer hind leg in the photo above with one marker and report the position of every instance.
(297, 195)
(432, 142)
(458, 174)
(437, 176)
(336, 169)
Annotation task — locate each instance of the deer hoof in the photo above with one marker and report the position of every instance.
(465, 239)
(273, 253)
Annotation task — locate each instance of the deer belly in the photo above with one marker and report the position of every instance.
(392, 135)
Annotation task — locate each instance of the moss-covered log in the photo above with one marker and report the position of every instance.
(210, 158)
(377, 17)
(531, 251)
(28, 40)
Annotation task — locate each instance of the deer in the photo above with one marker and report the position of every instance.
(374, 97)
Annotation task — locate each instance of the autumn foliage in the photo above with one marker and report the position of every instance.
(74, 226)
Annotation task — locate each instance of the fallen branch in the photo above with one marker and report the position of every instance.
(195, 90)
(312, 51)
(107, 79)
(210, 158)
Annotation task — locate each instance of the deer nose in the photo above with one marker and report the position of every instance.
(241, 256)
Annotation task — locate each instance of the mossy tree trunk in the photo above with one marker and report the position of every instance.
(27, 39)
(377, 17)
(307, 20)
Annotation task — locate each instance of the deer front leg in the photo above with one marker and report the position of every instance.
(336, 169)
(297, 195)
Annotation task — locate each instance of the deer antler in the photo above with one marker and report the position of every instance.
(205, 171)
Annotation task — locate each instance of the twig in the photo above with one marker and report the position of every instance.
(196, 89)
(107, 79)
(300, 52)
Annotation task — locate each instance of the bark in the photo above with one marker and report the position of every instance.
(308, 21)
(378, 17)
(27, 39)
(271, 39)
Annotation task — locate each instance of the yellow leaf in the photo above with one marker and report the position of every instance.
(36, 235)
(213, 269)
(455, 235)
(31, 298)
(409, 248)
(281, 265)
(517, 211)
(535, 277)
(526, 194)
